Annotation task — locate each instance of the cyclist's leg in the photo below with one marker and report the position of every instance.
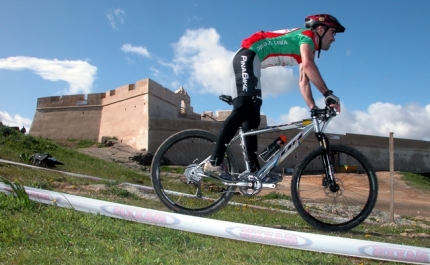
(244, 78)
(252, 141)
(242, 108)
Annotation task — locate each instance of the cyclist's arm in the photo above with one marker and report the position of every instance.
(305, 89)
(309, 69)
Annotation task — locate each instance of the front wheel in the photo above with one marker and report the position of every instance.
(177, 169)
(338, 208)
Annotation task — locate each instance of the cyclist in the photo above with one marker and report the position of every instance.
(267, 49)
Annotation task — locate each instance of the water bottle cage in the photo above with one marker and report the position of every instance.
(268, 154)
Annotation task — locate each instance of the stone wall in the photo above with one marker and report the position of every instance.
(67, 123)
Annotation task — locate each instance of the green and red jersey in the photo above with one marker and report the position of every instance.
(281, 47)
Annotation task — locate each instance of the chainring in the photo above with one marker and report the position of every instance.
(256, 184)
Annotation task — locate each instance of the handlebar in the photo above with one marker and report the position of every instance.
(323, 114)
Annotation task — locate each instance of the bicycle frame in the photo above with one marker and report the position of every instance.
(319, 120)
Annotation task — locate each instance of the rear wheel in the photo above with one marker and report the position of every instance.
(176, 174)
(338, 208)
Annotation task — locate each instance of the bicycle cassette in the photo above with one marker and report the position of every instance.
(193, 173)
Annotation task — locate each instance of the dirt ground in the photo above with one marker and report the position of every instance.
(407, 201)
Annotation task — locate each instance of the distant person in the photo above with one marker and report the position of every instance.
(23, 130)
(266, 49)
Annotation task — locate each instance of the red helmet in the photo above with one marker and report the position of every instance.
(325, 20)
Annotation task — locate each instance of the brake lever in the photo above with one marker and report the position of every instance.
(331, 112)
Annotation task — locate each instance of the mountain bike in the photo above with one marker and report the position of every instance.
(333, 188)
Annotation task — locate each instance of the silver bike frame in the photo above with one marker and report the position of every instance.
(307, 126)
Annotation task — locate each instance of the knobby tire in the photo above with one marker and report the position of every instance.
(328, 210)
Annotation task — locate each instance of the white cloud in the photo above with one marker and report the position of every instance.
(79, 74)
(16, 120)
(409, 122)
(295, 113)
(116, 17)
(128, 48)
(200, 55)
(278, 80)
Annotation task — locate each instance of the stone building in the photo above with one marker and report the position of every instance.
(144, 114)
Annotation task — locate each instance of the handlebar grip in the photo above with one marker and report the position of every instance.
(330, 101)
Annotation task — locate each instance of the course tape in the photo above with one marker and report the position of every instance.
(235, 231)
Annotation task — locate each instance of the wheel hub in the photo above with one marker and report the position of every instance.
(334, 191)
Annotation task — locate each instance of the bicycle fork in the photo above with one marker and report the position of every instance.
(329, 180)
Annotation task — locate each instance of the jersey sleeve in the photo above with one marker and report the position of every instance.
(306, 37)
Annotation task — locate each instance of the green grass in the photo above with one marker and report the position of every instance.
(416, 180)
(15, 145)
(276, 196)
(34, 233)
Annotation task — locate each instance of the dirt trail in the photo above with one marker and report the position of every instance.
(407, 201)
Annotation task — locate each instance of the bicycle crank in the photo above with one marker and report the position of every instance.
(255, 184)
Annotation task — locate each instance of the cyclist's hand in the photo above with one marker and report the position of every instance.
(332, 101)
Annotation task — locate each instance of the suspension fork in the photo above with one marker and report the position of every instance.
(329, 179)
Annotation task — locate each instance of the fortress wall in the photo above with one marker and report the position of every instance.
(60, 101)
(122, 93)
(409, 155)
(95, 98)
(125, 115)
(70, 100)
(161, 101)
(67, 123)
(126, 121)
(161, 128)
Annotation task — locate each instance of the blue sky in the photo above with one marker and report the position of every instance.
(379, 67)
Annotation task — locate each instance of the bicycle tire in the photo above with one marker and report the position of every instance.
(341, 210)
(178, 153)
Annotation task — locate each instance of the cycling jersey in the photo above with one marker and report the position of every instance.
(281, 47)
(261, 50)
